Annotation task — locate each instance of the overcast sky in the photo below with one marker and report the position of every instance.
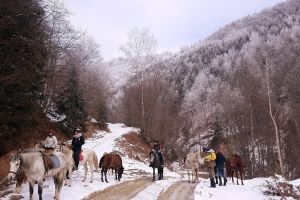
(174, 23)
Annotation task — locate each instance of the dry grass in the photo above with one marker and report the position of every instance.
(282, 189)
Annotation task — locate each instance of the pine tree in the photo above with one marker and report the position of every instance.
(72, 104)
(22, 55)
(217, 138)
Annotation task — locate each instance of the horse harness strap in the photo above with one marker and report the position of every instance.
(18, 168)
(47, 162)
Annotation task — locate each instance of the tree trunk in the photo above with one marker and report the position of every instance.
(143, 107)
(253, 160)
(275, 125)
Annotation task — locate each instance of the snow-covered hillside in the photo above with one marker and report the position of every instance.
(174, 185)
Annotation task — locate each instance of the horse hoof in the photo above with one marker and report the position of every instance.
(91, 181)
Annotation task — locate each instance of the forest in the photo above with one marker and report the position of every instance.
(48, 71)
(238, 87)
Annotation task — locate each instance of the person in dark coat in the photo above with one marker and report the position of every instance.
(77, 142)
(220, 167)
(157, 148)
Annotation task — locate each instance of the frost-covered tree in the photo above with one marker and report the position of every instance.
(139, 51)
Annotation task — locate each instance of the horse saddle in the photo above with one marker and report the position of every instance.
(50, 162)
(80, 156)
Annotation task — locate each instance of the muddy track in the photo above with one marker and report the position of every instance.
(122, 191)
(180, 190)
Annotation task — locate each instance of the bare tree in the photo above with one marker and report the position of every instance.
(139, 50)
(273, 115)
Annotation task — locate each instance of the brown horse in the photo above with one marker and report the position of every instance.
(114, 161)
(235, 165)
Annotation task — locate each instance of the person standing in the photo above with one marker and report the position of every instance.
(209, 157)
(77, 142)
(220, 167)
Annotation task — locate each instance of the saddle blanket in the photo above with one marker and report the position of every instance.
(81, 156)
(55, 160)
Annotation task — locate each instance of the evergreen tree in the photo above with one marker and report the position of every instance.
(217, 138)
(72, 104)
(22, 55)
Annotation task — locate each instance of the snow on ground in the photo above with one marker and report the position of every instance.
(152, 191)
(252, 189)
(101, 142)
(106, 142)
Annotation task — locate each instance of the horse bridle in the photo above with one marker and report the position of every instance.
(19, 157)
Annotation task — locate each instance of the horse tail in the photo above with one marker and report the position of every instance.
(95, 159)
(101, 162)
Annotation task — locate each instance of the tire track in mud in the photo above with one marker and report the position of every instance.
(122, 191)
(182, 190)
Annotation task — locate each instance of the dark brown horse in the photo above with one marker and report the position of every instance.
(235, 165)
(114, 161)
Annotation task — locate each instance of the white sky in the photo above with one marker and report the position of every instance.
(174, 23)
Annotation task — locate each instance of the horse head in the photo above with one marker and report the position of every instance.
(235, 161)
(152, 157)
(65, 148)
(15, 165)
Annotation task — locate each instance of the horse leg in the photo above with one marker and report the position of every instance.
(31, 190)
(92, 171)
(189, 174)
(18, 187)
(40, 189)
(59, 184)
(55, 185)
(116, 174)
(159, 173)
(197, 178)
(153, 174)
(193, 176)
(237, 176)
(105, 173)
(241, 172)
(102, 170)
(69, 176)
(85, 172)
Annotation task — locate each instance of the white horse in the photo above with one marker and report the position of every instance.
(89, 157)
(193, 161)
(34, 167)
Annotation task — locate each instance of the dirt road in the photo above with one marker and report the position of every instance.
(123, 191)
(180, 190)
